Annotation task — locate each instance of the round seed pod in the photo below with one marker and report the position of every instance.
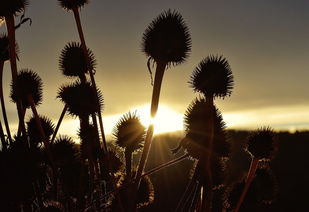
(81, 99)
(34, 133)
(12, 7)
(261, 143)
(73, 62)
(29, 84)
(129, 132)
(213, 77)
(167, 39)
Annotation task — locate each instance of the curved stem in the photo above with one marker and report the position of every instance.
(59, 123)
(153, 111)
(10, 24)
(253, 166)
(5, 119)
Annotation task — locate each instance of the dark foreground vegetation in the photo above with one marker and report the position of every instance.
(213, 170)
(290, 168)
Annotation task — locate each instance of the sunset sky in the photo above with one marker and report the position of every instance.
(266, 43)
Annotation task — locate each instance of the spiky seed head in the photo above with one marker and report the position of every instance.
(115, 160)
(34, 133)
(89, 136)
(12, 7)
(213, 77)
(73, 62)
(29, 83)
(197, 130)
(167, 39)
(64, 151)
(71, 4)
(129, 132)
(81, 99)
(261, 143)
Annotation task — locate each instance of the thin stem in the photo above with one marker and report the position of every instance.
(167, 164)
(84, 46)
(186, 193)
(153, 111)
(128, 156)
(6, 123)
(41, 130)
(65, 108)
(253, 166)
(10, 24)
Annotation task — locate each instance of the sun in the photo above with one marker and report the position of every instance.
(166, 120)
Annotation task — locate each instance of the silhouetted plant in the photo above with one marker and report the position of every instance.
(213, 77)
(33, 132)
(262, 146)
(21, 169)
(73, 61)
(129, 134)
(89, 139)
(196, 141)
(81, 99)
(4, 56)
(167, 41)
(71, 4)
(52, 206)
(30, 84)
(9, 9)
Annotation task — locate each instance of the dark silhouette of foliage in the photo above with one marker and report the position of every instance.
(12, 7)
(30, 84)
(73, 62)
(81, 99)
(129, 132)
(53, 206)
(71, 4)
(33, 132)
(167, 38)
(213, 77)
(261, 143)
(4, 48)
(21, 168)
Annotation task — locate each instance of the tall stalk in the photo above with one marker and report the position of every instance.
(64, 110)
(6, 123)
(83, 42)
(153, 111)
(10, 24)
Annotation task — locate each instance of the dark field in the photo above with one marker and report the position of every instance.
(290, 167)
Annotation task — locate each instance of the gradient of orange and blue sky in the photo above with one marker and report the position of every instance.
(265, 42)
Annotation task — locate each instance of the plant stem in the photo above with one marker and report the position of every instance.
(5, 119)
(41, 130)
(207, 190)
(253, 166)
(153, 111)
(65, 108)
(10, 24)
(128, 156)
(84, 46)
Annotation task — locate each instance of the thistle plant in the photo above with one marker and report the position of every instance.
(167, 42)
(33, 132)
(4, 56)
(9, 9)
(129, 134)
(212, 78)
(262, 146)
(74, 6)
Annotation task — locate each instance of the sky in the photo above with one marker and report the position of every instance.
(265, 42)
